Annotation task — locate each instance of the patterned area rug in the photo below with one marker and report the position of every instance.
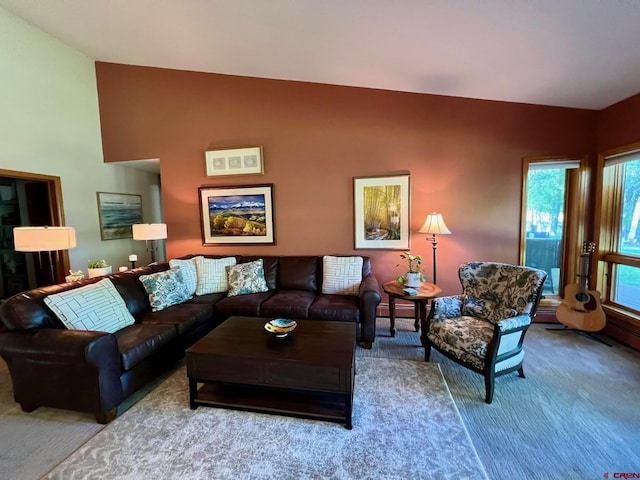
(406, 426)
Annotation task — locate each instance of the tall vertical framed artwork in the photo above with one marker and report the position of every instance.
(381, 212)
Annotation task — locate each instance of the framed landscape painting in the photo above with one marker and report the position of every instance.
(117, 213)
(237, 215)
(381, 212)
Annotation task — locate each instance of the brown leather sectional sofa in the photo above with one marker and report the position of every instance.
(95, 371)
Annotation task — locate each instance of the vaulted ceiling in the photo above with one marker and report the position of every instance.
(571, 53)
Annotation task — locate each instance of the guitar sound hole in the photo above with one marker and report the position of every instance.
(582, 297)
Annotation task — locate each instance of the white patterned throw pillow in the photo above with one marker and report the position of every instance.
(189, 273)
(212, 274)
(165, 289)
(341, 275)
(246, 278)
(97, 307)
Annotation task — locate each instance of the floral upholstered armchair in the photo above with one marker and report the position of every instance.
(484, 327)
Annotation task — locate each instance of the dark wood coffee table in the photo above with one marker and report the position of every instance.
(309, 374)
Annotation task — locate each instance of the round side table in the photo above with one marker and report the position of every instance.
(426, 291)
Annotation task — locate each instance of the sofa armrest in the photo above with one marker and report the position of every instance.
(71, 369)
(59, 345)
(370, 298)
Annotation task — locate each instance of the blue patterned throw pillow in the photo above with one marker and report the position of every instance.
(188, 270)
(246, 278)
(165, 289)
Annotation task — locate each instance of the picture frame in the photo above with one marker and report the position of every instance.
(381, 212)
(232, 215)
(237, 161)
(117, 213)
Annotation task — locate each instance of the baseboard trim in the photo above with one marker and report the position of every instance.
(624, 331)
(403, 310)
(546, 314)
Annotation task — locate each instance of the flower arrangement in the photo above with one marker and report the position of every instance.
(97, 264)
(414, 262)
(74, 276)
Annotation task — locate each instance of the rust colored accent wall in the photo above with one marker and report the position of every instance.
(618, 124)
(464, 156)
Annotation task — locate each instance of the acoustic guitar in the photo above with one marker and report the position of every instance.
(581, 308)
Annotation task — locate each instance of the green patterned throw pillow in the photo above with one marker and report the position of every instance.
(246, 278)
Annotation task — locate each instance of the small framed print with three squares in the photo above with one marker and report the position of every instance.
(237, 161)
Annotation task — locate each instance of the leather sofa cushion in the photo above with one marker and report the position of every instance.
(185, 317)
(131, 289)
(298, 273)
(209, 298)
(28, 310)
(289, 304)
(342, 308)
(242, 305)
(137, 342)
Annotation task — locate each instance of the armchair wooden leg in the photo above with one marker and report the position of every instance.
(427, 352)
(521, 372)
(367, 345)
(488, 385)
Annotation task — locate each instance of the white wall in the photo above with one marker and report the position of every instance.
(49, 124)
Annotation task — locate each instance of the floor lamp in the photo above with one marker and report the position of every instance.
(434, 225)
(44, 239)
(150, 232)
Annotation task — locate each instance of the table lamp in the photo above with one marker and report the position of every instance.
(150, 232)
(44, 239)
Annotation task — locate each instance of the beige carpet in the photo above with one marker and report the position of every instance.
(33, 443)
(575, 417)
(406, 426)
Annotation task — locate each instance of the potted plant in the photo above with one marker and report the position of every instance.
(414, 275)
(97, 268)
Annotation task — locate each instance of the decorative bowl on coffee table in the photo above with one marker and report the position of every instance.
(280, 327)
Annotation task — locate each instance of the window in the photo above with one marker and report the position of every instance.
(620, 230)
(550, 219)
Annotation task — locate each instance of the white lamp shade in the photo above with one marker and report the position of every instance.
(434, 225)
(149, 231)
(43, 239)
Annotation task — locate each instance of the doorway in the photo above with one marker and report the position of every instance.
(28, 199)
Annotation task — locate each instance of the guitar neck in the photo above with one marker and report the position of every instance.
(584, 272)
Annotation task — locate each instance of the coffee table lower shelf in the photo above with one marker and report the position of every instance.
(331, 407)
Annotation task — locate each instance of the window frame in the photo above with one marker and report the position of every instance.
(573, 229)
(607, 226)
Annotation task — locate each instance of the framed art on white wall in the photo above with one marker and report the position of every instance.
(117, 213)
